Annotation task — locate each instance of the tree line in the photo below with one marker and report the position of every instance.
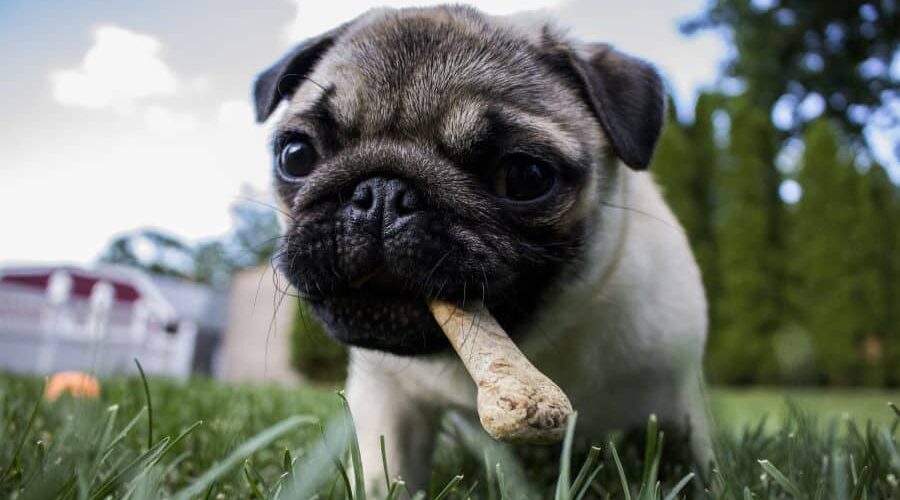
(800, 292)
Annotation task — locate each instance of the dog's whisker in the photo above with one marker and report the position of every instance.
(645, 214)
(267, 205)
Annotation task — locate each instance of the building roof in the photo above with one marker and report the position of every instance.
(205, 306)
(173, 298)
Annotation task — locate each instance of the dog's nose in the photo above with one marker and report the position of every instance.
(388, 201)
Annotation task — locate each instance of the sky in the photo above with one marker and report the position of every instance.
(136, 113)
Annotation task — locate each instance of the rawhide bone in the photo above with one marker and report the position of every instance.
(516, 402)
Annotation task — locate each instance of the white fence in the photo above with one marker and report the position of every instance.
(43, 334)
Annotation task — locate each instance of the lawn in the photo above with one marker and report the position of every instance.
(210, 440)
(737, 408)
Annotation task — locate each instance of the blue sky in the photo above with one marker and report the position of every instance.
(131, 114)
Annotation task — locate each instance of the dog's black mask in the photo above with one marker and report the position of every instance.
(368, 252)
(437, 155)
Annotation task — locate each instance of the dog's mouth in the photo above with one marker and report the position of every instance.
(377, 280)
(385, 311)
(380, 310)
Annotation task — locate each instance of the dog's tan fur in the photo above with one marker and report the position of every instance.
(621, 324)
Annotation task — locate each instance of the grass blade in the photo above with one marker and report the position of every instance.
(501, 482)
(355, 457)
(451, 485)
(860, 491)
(896, 410)
(651, 453)
(313, 470)
(254, 480)
(563, 484)
(781, 479)
(588, 471)
(122, 435)
(395, 490)
(489, 477)
(21, 443)
(149, 404)
(680, 486)
(242, 452)
(480, 445)
(140, 464)
(387, 475)
(346, 478)
(626, 492)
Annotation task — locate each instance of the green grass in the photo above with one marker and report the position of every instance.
(212, 440)
(741, 407)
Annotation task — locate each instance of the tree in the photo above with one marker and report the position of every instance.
(212, 264)
(838, 50)
(255, 237)
(151, 250)
(673, 170)
(838, 258)
(749, 243)
(868, 241)
(685, 165)
(883, 219)
(253, 242)
(706, 160)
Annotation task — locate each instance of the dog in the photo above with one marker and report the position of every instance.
(445, 153)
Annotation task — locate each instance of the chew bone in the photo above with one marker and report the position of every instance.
(516, 402)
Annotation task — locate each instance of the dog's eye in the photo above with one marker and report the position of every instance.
(522, 178)
(297, 159)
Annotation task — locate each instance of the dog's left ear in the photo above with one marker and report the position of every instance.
(281, 80)
(626, 95)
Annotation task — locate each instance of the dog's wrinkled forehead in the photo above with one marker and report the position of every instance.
(433, 75)
(429, 72)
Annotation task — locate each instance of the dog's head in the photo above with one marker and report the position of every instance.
(443, 153)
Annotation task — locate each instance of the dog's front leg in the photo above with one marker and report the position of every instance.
(381, 407)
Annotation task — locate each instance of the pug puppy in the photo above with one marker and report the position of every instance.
(442, 152)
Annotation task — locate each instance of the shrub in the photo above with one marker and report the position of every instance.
(314, 353)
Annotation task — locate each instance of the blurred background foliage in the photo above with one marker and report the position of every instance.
(313, 352)
(253, 242)
(794, 224)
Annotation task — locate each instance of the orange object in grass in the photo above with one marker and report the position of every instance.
(78, 384)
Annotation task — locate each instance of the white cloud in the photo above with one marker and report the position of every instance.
(235, 113)
(314, 17)
(167, 168)
(168, 123)
(121, 68)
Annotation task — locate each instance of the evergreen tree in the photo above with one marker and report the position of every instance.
(892, 217)
(837, 253)
(884, 219)
(798, 48)
(684, 165)
(672, 169)
(748, 236)
(866, 268)
(705, 161)
(816, 226)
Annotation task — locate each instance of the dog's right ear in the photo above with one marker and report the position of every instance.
(625, 94)
(281, 80)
